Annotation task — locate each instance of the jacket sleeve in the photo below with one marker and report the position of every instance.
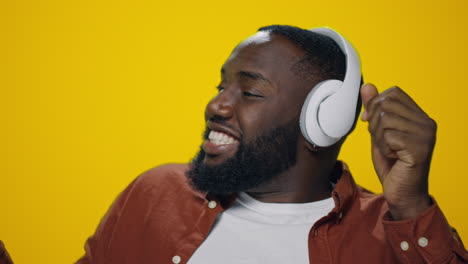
(97, 245)
(425, 239)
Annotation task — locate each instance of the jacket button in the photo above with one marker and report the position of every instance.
(176, 259)
(212, 204)
(404, 245)
(423, 242)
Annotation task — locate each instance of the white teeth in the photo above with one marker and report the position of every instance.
(219, 138)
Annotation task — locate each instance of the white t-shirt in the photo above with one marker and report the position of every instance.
(255, 232)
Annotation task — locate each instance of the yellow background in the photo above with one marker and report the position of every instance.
(95, 92)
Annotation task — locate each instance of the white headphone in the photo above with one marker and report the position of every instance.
(329, 110)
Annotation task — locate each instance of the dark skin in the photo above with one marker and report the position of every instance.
(403, 138)
(259, 91)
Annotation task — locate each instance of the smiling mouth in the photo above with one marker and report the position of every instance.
(220, 138)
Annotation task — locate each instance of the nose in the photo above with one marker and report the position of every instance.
(220, 107)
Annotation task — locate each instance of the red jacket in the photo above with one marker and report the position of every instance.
(159, 219)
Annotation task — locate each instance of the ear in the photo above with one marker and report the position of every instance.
(312, 147)
(309, 146)
(316, 149)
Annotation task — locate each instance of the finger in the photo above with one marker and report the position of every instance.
(368, 91)
(388, 120)
(409, 148)
(394, 144)
(387, 105)
(383, 148)
(394, 102)
(397, 93)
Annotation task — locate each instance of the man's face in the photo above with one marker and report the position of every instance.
(252, 124)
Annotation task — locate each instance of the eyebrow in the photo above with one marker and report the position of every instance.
(254, 76)
(250, 75)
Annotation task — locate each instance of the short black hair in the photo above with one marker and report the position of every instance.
(323, 58)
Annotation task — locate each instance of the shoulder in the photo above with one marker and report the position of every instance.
(164, 174)
(371, 203)
(167, 180)
(363, 219)
(369, 208)
(360, 201)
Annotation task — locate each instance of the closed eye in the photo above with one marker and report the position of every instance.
(251, 94)
(221, 89)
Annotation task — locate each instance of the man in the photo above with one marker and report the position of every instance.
(258, 192)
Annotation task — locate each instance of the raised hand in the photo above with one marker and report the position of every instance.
(403, 138)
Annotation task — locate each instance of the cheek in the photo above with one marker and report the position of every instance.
(291, 106)
(252, 121)
(255, 122)
(285, 110)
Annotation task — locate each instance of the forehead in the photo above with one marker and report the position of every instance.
(271, 55)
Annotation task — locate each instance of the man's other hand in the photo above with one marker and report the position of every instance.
(4, 257)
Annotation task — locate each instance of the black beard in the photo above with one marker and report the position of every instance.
(253, 164)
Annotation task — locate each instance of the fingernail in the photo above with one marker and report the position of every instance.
(364, 116)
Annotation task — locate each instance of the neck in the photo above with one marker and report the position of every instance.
(306, 181)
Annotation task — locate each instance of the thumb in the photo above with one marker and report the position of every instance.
(368, 91)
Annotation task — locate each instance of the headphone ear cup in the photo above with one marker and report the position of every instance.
(308, 121)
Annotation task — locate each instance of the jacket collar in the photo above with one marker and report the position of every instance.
(343, 193)
(345, 189)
